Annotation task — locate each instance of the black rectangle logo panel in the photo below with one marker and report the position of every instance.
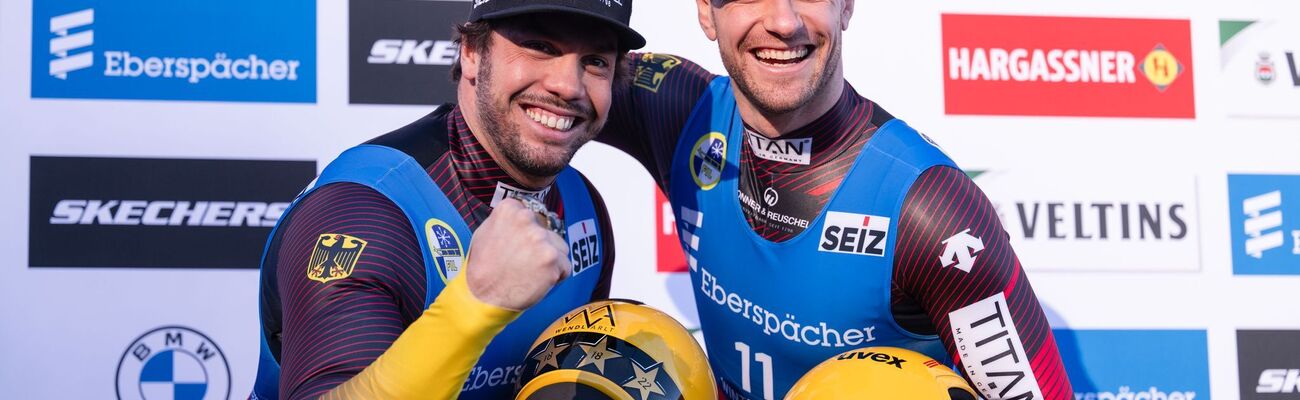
(157, 213)
(401, 51)
(1269, 364)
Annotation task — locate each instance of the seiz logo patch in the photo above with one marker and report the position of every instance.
(334, 257)
(850, 233)
(584, 248)
(991, 351)
(791, 151)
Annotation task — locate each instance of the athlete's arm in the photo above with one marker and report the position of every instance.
(335, 330)
(648, 113)
(953, 259)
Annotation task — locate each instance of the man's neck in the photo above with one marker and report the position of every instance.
(774, 125)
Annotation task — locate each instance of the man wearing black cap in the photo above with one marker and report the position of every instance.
(368, 289)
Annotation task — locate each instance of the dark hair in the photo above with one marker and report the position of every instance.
(477, 36)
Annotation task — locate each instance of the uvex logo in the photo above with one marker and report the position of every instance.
(873, 356)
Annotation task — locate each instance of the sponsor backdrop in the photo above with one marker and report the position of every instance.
(1144, 157)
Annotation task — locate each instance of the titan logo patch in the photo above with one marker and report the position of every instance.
(334, 257)
(708, 157)
(445, 247)
(790, 151)
(991, 351)
(858, 234)
(504, 191)
(651, 70)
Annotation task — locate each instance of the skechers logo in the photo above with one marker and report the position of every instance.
(1279, 381)
(426, 52)
(166, 213)
(65, 42)
(850, 233)
(873, 356)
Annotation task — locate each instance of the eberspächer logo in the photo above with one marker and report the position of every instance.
(173, 362)
(1146, 364)
(238, 50)
(1265, 232)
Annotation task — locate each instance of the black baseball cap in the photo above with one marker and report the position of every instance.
(617, 13)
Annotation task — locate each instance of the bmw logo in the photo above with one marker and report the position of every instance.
(173, 363)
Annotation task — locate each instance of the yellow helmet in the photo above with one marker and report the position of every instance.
(881, 373)
(616, 350)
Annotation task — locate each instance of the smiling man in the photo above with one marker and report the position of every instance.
(368, 289)
(815, 222)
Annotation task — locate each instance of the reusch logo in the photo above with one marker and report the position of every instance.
(1021, 65)
(166, 213)
(64, 42)
(1268, 364)
(1264, 241)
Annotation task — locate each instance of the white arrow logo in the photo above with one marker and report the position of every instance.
(960, 250)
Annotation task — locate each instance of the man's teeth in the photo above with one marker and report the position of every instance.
(783, 55)
(552, 121)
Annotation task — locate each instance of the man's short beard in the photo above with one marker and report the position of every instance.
(503, 132)
(780, 101)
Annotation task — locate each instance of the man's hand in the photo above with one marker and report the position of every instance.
(514, 260)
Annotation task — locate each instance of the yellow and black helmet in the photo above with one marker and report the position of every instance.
(881, 373)
(616, 350)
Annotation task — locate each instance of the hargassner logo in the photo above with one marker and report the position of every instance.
(66, 41)
(1265, 234)
(167, 50)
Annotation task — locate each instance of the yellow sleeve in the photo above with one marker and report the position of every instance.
(433, 357)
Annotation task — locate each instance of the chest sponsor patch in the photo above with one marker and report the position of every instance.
(504, 191)
(851, 233)
(792, 151)
(584, 249)
(991, 351)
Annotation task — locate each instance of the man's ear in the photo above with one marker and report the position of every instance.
(846, 13)
(706, 18)
(469, 60)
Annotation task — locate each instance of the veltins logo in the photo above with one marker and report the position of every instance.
(401, 51)
(173, 362)
(170, 213)
(1268, 364)
(1023, 65)
(1150, 364)
(1107, 220)
(239, 50)
(1265, 224)
(1258, 59)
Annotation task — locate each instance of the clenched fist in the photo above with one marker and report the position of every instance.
(514, 260)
